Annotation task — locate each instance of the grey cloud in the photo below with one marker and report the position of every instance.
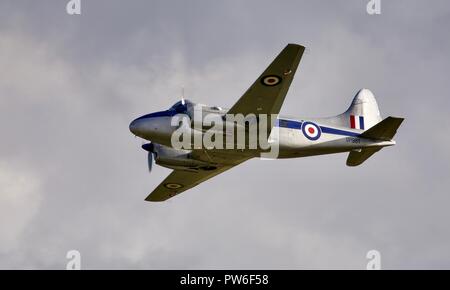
(70, 86)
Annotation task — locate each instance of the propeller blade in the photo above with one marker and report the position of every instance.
(150, 161)
(150, 148)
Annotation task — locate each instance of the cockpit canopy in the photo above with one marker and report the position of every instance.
(179, 107)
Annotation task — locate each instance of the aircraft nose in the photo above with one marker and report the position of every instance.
(150, 127)
(136, 127)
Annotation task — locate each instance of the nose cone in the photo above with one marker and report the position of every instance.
(137, 127)
(153, 127)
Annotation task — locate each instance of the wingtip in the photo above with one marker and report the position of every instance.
(295, 45)
(151, 198)
(159, 197)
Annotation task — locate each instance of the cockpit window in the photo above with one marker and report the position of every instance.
(179, 107)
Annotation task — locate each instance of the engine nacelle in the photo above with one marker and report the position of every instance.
(178, 159)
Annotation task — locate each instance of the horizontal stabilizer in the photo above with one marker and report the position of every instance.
(356, 158)
(384, 130)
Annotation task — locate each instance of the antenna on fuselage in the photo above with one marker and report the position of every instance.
(182, 96)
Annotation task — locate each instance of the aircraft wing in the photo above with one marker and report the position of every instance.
(181, 180)
(266, 95)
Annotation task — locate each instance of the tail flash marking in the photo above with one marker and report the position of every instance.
(352, 121)
(361, 122)
(357, 122)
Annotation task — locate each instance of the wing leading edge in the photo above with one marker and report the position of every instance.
(267, 93)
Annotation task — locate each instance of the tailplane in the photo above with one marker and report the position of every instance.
(356, 158)
(383, 131)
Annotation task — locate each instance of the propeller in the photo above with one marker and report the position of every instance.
(150, 161)
(150, 148)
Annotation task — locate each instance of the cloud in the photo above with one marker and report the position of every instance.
(20, 199)
(73, 177)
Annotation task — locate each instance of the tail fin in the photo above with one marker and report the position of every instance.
(363, 112)
(383, 131)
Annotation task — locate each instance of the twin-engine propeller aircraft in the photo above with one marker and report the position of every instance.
(360, 130)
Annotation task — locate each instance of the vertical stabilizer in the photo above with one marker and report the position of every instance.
(362, 114)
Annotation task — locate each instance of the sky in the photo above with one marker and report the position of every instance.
(72, 176)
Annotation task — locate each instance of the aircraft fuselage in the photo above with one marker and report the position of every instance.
(296, 137)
